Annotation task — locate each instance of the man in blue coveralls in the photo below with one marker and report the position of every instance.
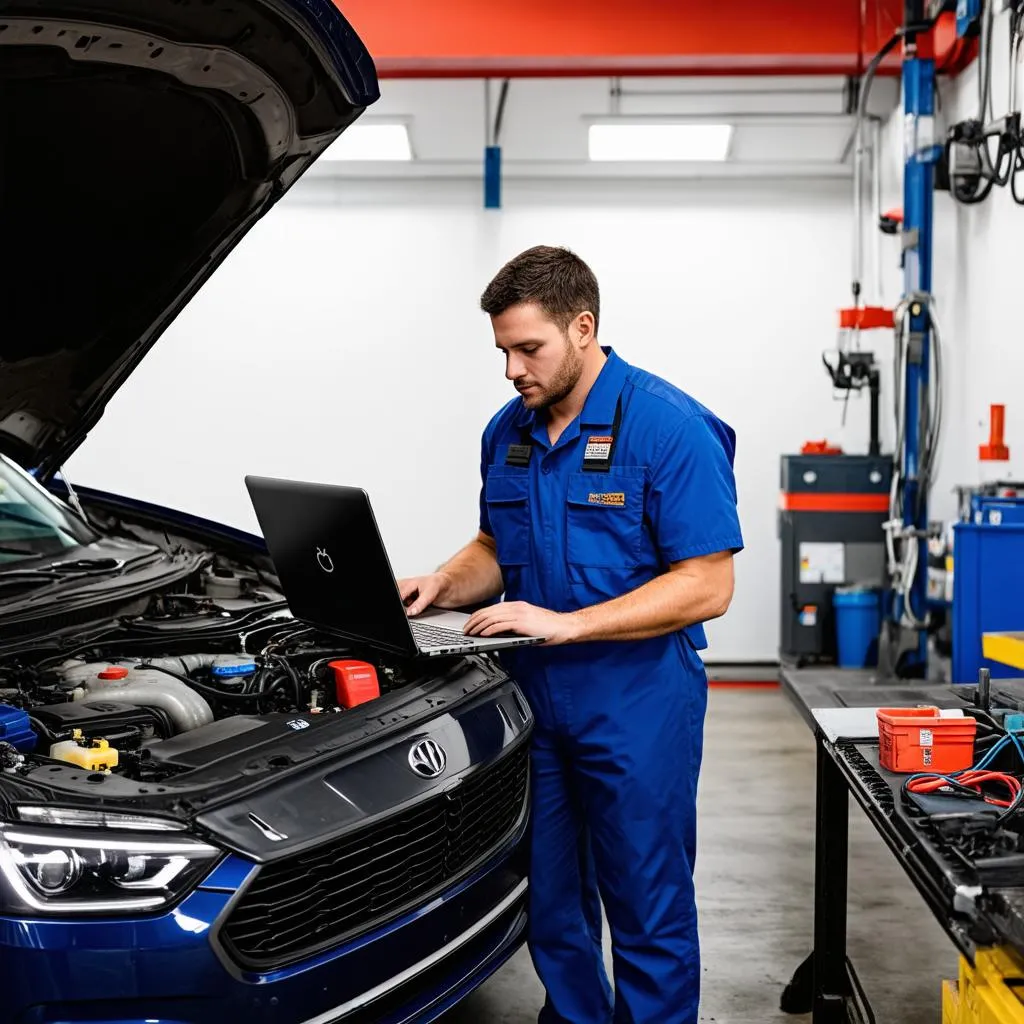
(608, 520)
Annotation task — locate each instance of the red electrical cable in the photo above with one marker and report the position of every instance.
(971, 779)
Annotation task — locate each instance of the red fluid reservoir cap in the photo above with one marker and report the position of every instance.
(114, 672)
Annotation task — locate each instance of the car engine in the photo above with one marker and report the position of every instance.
(203, 672)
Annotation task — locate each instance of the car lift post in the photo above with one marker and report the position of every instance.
(920, 154)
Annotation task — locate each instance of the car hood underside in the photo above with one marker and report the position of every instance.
(138, 143)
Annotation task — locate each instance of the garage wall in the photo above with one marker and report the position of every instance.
(342, 342)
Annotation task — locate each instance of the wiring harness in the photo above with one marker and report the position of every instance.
(977, 781)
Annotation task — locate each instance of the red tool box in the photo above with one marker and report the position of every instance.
(921, 740)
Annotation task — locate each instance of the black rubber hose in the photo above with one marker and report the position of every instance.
(296, 682)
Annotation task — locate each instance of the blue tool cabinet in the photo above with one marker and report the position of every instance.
(988, 585)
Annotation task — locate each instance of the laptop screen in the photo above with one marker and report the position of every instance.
(330, 559)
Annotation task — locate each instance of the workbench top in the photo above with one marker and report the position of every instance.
(810, 688)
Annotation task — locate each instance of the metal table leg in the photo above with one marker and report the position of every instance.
(832, 825)
(826, 984)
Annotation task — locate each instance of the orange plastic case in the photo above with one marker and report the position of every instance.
(355, 682)
(919, 740)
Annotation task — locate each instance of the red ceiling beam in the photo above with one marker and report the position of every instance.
(474, 38)
(521, 38)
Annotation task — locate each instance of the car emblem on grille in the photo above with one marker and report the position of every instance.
(428, 759)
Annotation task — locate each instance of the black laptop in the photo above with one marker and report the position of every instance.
(336, 574)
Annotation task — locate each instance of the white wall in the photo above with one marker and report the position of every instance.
(342, 342)
(976, 283)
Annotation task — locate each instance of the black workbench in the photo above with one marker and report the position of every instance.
(976, 903)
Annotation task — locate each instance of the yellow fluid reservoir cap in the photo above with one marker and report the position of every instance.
(93, 758)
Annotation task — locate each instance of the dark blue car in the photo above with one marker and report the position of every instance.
(197, 824)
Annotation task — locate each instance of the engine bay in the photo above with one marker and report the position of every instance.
(210, 669)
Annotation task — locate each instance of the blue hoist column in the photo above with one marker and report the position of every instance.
(920, 155)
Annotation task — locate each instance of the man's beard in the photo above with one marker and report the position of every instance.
(565, 378)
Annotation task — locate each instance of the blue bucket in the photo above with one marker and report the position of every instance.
(858, 622)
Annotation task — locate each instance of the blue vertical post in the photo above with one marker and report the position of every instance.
(492, 177)
(492, 149)
(920, 154)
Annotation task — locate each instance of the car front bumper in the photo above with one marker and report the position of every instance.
(171, 969)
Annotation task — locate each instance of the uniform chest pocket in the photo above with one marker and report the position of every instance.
(605, 517)
(508, 509)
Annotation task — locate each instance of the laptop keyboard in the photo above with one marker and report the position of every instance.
(438, 636)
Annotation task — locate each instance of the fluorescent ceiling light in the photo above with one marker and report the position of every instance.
(635, 141)
(371, 142)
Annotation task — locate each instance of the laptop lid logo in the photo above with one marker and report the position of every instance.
(324, 559)
(428, 759)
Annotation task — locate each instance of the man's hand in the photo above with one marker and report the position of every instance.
(468, 578)
(524, 619)
(419, 592)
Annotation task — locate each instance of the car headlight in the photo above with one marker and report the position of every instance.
(62, 871)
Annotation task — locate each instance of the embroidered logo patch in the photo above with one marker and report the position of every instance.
(598, 448)
(615, 498)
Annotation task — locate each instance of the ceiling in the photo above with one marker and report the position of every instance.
(774, 69)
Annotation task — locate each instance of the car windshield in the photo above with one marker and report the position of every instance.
(34, 524)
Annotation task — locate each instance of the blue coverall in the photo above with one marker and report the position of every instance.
(619, 725)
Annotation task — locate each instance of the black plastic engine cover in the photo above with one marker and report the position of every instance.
(232, 738)
(111, 720)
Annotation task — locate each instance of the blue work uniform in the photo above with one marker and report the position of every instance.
(643, 478)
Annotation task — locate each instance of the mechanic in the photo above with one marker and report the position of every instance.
(608, 519)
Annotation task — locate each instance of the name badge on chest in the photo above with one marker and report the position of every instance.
(518, 455)
(597, 455)
(598, 451)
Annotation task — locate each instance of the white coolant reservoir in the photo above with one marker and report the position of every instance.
(95, 755)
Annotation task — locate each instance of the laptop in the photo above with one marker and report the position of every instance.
(336, 574)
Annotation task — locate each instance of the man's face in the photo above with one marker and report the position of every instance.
(541, 360)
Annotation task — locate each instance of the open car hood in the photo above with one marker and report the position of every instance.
(138, 143)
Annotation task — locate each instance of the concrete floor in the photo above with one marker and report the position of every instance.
(754, 882)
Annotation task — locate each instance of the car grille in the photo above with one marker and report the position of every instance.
(303, 904)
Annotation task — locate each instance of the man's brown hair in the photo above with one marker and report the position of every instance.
(554, 278)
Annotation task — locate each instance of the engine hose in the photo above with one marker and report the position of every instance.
(206, 691)
(296, 682)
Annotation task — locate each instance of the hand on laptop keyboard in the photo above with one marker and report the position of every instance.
(420, 592)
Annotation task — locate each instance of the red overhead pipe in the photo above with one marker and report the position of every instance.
(467, 38)
(524, 38)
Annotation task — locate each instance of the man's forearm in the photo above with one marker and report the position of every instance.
(472, 575)
(676, 599)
